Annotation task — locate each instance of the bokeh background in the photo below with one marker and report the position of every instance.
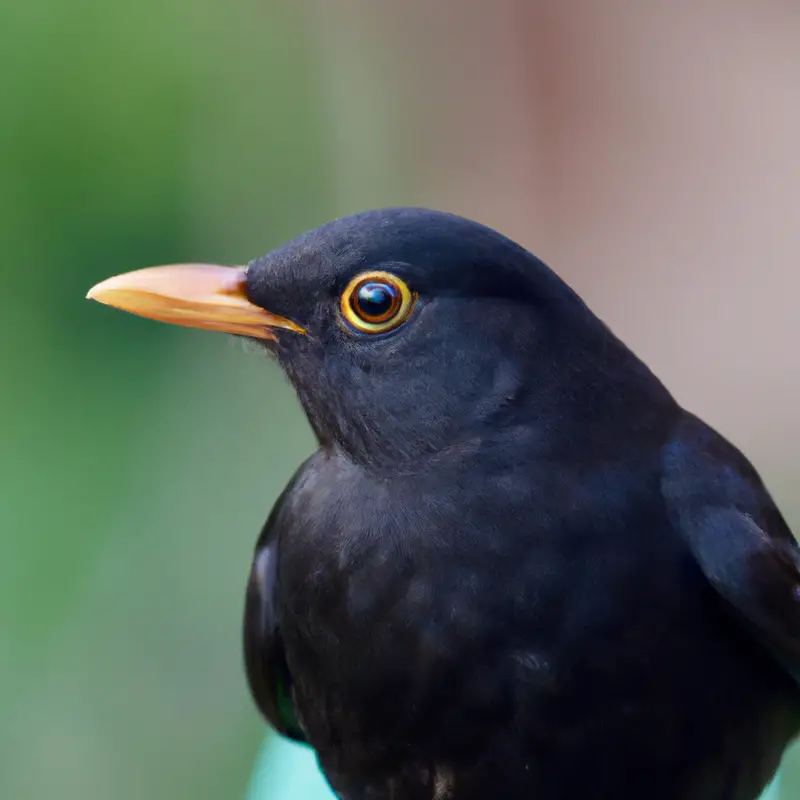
(647, 151)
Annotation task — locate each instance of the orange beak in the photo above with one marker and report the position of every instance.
(193, 295)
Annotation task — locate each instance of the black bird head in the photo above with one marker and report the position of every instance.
(405, 332)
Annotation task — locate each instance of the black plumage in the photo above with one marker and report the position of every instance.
(515, 567)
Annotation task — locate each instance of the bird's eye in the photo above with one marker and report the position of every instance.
(376, 302)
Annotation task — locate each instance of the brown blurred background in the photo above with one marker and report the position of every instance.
(647, 151)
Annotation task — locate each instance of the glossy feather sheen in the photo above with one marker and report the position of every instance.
(515, 568)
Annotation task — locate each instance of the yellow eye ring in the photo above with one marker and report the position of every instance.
(377, 302)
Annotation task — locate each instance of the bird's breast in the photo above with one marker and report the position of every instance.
(468, 617)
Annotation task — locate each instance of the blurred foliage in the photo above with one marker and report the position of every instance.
(138, 461)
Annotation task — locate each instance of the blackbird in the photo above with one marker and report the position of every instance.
(515, 567)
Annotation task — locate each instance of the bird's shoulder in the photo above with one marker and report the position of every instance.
(717, 501)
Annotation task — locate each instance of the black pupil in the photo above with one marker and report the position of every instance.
(376, 300)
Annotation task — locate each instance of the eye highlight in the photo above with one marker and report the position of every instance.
(376, 302)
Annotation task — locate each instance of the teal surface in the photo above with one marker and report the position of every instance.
(287, 771)
(773, 793)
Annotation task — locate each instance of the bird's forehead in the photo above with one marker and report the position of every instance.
(436, 252)
(426, 242)
(322, 256)
(302, 268)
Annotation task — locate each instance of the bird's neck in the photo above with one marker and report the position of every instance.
(562, 427)
(571, 400)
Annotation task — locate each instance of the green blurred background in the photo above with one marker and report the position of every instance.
(644, 152)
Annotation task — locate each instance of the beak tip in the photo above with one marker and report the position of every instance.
(96, 292)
